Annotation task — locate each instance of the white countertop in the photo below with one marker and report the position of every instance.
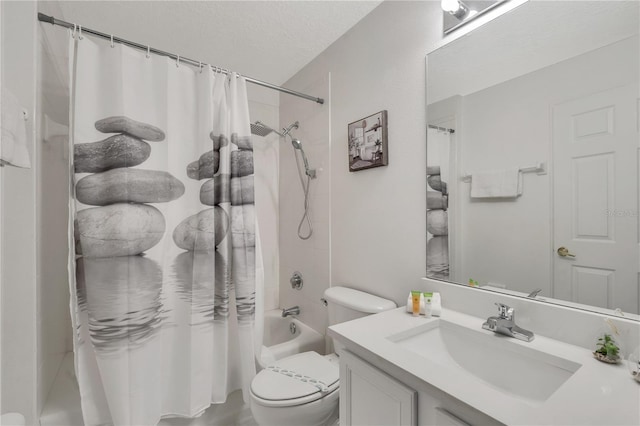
(596, 394)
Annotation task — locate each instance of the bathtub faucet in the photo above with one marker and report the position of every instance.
(291, 311)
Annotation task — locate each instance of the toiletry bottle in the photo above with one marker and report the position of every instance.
(436, 305)
(428, 298)
(415, 303)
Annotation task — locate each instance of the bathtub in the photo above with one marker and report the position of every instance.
(287, 336)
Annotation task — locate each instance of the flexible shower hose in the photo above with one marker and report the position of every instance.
(305, 189)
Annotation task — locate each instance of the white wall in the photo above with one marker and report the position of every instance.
(310, 257)
(377, 216)
(19, 294)
(509, 125)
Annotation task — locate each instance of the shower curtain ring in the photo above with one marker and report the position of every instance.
(148, 55)
(200, 65)
(112, 46)
(177, 61)
(73, 33)
(80, 32)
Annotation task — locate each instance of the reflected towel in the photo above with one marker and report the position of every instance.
(496, 184)
(13, 132)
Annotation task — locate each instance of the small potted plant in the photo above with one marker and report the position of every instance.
(607, 350)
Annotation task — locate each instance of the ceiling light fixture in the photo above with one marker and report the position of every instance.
(457, 13)
(455, 8)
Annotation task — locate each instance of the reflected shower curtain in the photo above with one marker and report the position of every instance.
(164, 229)
(438, 157)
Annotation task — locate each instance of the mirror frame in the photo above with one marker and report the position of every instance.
(493, 14)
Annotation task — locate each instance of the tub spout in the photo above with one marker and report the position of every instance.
(291, 311)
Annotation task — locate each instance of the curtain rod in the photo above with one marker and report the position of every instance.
(441, 129)
(54, 21)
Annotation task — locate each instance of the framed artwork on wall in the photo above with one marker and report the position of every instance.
(368, 142)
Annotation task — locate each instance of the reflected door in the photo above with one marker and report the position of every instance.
(595, 179)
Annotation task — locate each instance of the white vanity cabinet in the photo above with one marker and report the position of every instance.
(396, 369)
(370, 396)
(443, 410)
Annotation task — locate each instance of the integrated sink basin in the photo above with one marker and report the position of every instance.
(499, 362)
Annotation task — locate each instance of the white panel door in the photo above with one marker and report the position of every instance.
(595, 185)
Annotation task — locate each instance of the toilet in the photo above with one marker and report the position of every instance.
(303, 389)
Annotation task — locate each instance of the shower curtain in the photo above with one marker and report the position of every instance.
(167, 266)
(438, 157)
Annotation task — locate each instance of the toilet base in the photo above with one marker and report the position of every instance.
(321, 412)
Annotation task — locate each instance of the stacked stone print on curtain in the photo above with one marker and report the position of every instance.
(164, 229)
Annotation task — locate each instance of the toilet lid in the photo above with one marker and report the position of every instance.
(306, 375)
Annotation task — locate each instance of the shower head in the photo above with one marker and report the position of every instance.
(261, 129)
(296, 143)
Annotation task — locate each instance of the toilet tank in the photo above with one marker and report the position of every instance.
(346, 304)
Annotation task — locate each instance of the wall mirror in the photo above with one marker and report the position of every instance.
(458, 13)
(533, 153)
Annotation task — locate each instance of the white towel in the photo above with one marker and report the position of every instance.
(496, 184)
(13, 132)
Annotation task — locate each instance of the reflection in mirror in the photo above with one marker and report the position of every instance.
(533, 153)
(460, 12)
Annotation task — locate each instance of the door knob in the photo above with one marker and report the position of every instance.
(564, 252)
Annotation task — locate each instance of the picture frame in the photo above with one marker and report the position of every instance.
(367, 143)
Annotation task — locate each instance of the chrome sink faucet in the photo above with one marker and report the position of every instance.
(295, 310)
(505, 323)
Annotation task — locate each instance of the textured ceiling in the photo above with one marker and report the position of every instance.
(267, 40)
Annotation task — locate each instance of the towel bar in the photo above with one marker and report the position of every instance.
(539, 168)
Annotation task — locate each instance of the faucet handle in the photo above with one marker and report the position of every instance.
(506, 312)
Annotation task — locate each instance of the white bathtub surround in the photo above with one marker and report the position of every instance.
(589, 392)
(282, 340)
(310, 257)
(263, 106)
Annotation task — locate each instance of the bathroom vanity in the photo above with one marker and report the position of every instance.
(404, 370)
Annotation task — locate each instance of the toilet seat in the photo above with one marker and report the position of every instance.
(295, 380)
